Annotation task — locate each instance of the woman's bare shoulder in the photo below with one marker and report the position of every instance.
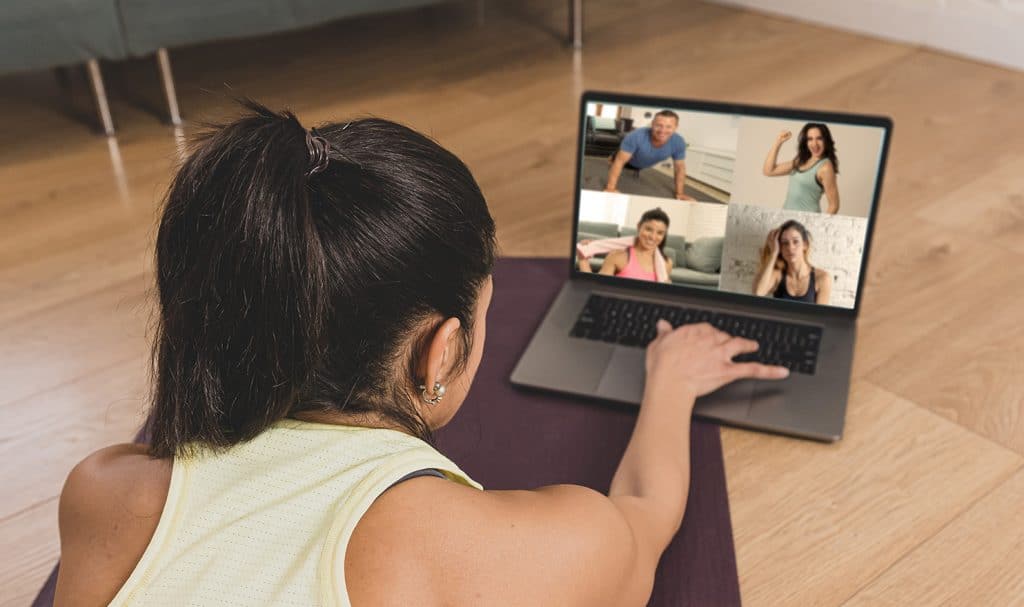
(431, 541)
(109, 508)
(615, 261)
(616, 256)
(124, 473)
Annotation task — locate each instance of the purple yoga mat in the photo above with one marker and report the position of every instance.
(507, 438)
(510, 438)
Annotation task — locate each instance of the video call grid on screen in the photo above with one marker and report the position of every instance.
(738, 187)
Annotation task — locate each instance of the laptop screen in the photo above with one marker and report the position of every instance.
(763, 203)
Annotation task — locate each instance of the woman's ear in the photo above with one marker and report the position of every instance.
(441, 352)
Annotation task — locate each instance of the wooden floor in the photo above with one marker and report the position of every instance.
(919, 504)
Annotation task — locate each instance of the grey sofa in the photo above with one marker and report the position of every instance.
(150, 25)
(693, 263)
(39, 34)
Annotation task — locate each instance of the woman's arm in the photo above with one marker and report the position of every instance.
(823, 281)
(768, 278)
(827, 176)
(582, 261)
(767, 281)
(109, 508)
(432, 541)
(668, 270)
(614, 262)
(651, 484)
(772, 168)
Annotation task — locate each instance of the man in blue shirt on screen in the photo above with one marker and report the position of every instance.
(647, 146)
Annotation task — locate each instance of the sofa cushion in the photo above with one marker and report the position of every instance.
(591, 236)
(705, 254)
(678, 244)
(671, 254)
(693, 277)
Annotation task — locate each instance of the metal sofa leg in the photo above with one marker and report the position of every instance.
(164, 62)
(99, 94)
(576, 23)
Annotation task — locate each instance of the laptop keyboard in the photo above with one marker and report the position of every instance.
(630, 322)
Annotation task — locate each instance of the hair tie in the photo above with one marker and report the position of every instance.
(319, 151)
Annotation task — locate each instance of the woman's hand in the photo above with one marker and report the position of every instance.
(693, 360)
(772, 243)
(579, 254)
(771, 167)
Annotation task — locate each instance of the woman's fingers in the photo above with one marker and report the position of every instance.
(661, 328)
(757, 371)
(738, 345)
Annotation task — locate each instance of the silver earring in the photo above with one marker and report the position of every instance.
(438, 394)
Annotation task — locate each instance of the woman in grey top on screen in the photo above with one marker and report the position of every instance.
(786, 271)
(811, 173)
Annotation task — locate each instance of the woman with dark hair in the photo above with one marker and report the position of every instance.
(811, 173)
(642, 258)
(322, 298)
(786, 271)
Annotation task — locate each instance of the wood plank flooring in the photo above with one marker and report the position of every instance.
(918, 504)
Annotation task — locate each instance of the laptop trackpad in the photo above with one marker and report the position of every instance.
(623, 378)
(731, 402)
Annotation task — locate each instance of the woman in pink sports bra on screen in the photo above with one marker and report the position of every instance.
(640, 261)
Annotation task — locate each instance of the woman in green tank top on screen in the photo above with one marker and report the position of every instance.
(811, 173)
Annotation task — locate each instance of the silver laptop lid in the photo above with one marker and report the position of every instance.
(767, 206)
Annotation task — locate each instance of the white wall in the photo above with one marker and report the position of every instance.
(837, 245)
(989, 30)
(607, 207)
(608, 110)
(857, 148)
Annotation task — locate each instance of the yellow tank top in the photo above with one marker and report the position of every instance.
(268, 521)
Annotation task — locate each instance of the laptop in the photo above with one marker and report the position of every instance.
(677, 205)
